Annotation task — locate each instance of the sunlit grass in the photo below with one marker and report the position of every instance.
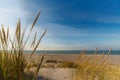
(13, 64)
(98, 68)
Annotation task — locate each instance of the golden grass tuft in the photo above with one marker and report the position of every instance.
(93, 69)
(13, 63)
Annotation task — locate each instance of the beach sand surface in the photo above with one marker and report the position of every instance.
(65, 73)
(115, 59)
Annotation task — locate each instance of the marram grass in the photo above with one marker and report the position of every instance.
(97, 69)
(13, 64)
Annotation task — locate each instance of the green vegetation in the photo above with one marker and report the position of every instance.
(13, 64)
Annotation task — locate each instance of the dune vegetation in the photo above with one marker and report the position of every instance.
(13, 64)
(98, 68)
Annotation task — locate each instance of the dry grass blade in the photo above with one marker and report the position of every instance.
(4, 35)
(33, 42)
(106, 58)
(37, 44)
(109, 51)
(22, 38)
(96, 52)
(1, 38)
(35, 21)
(7, 33)
(18, 32)
(38, 67)
(31, 29)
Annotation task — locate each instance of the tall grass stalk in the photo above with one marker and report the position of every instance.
(13, 63)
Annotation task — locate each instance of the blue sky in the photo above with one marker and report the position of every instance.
(72, 24)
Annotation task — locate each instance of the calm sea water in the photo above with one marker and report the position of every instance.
(113, 52)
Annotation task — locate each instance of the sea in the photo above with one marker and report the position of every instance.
(113, 52)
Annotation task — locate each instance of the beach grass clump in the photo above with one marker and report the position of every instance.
(13, 64)
(68, 64)
(92, 69)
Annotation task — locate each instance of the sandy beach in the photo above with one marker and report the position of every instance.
(65, 73)
(115, 59)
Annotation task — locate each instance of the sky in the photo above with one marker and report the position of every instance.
(71, 24)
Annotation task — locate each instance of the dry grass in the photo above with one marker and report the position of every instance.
(13, 64)
(67, 64)
(98, 68)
